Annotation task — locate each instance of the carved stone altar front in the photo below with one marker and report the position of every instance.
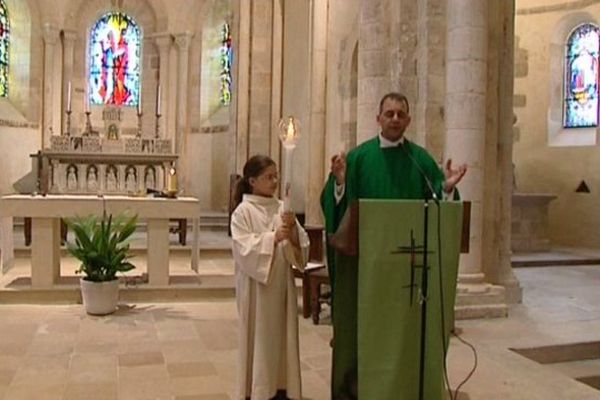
(111, 173)
(107, 162)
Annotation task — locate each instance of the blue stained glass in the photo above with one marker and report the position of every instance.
(4, 49)
(581, 78)
(226, 58)
(114, 59)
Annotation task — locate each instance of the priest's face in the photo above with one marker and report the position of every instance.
(393, 119)
(265, 184)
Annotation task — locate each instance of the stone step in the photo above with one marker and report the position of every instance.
(488, 295)
(481, 311)
(480, 300)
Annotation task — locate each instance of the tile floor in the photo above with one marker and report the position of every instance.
(185, 351)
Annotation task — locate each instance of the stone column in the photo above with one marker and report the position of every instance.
(428, 114)
(373, 78)
(466, 114)
(164, 43)
(261, 54)
(51, 36)
(502, 273)
(67, 65)
(182, 41)
(316, 134)
(241, 68)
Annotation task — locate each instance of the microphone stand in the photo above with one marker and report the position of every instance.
(429, 194)
(424, 298)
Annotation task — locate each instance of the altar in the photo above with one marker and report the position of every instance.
(46, 212)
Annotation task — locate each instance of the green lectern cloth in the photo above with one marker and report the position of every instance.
(388, 324)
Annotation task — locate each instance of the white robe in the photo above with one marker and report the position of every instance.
(267, 302)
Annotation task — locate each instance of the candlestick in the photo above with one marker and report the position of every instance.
(139, 127)
(88, 124)
(68, 124)
(157, 128)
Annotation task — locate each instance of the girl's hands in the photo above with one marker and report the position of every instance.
(288, 230)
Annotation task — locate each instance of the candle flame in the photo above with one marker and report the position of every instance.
(291, 131)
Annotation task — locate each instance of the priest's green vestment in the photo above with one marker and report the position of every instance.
(372, 172)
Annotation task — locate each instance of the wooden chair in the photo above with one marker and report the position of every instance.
(180, 229)
(315, 274)
(27, 231)
(316, 279)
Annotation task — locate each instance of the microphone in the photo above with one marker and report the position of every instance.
(423, 174)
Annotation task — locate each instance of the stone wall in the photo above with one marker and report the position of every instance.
(549, 159)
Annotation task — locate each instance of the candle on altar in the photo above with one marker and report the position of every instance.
(69, 97)
(86, 104)
(158, 100)
(139, 107)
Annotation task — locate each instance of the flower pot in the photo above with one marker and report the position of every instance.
(100, 298)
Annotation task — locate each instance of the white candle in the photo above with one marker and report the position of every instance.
(69, 97)
(139, 109)
(158, 100)
(86, 100)
(287, 179)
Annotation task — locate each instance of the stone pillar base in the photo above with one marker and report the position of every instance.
(514, 292)
(468, 279)
(480, 300)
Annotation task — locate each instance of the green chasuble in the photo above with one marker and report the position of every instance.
(372, 173)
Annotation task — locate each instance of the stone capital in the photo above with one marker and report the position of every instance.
(183, 40)
(163, 41)
(69, 36)
(51, 33)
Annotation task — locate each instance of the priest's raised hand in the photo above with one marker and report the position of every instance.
(453, 176)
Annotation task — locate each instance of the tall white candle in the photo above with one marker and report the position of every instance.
(69, 97)
(287, 179)
(139, 108)
(86, 100)
(158, 100)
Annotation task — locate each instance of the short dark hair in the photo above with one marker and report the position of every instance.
(397, 96)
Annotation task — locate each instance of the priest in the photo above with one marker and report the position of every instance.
(388, 166)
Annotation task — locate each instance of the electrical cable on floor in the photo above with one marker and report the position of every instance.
(443, 315)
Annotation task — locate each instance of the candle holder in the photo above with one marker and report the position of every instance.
(157, 128)
(68, 123)
(88, 123)
(139, 125)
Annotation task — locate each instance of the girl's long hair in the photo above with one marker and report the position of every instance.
(252, 169)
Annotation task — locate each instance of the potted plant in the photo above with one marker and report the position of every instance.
(102, 246)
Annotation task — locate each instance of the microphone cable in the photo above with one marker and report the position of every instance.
(443, 324)
(441, 288)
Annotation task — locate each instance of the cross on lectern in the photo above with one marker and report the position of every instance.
(412, 249)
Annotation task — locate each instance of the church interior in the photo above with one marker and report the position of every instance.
(152, 107)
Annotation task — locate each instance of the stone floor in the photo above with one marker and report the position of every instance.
(187, 351)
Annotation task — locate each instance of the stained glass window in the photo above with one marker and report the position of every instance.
(4, 48)
(226, 58)
(581, 78)
(114, 61)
